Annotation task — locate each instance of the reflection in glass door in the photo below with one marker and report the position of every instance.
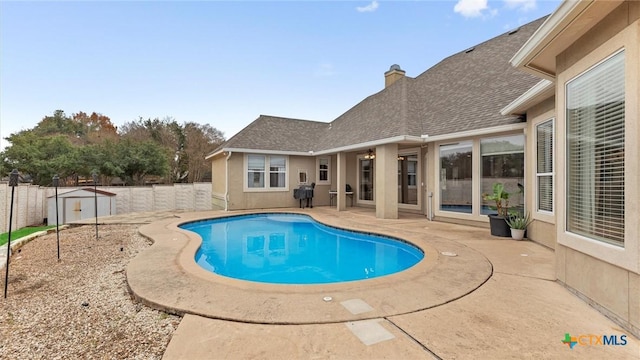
(366, 179)
(456, 168)
(503, 162)
(407, 179)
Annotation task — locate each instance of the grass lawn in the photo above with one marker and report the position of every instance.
(15, 235)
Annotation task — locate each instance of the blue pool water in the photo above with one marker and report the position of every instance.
(295, 249)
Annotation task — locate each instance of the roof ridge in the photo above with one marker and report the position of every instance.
(472, 47)
(290, 118)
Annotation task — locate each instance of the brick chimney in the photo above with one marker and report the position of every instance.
(393, 75)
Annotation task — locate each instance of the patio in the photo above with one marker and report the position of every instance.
(496, 299)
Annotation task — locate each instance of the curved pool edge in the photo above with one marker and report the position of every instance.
(166, 277)
(417, 254)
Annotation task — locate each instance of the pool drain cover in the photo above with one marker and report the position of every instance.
(369, 331)
(356, 306)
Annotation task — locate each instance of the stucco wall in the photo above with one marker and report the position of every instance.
(240, 199)
(219, 181)
(617, 21)
(321, 194)
(429, 173)
(612, 290)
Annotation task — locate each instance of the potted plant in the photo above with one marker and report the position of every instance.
(500, 197)
(518, 224)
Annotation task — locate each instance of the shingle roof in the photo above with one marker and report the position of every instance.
(465, 91)
(278, 133)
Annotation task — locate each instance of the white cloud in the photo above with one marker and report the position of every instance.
(324, 70)
(524, 5)
(369, 8)
(471, 8)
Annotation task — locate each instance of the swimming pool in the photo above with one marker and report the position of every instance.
(295, 249)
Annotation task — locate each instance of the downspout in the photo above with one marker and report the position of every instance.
(226, 183)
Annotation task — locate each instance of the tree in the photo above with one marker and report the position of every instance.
(166, 133)
(136, 160)
(94, 128)
(73, 146)
(200, 140)
(54, 146)
(41, 157)
(57, 124)
(185, 145)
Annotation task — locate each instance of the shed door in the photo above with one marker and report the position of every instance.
(72, 209)
(78, 209)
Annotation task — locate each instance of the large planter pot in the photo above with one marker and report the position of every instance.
(517, 234)
(499, 226)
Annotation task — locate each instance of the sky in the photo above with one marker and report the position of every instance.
(225, 63)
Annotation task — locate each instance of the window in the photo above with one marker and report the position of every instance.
(595, 116)
(266, 172)
(544, 166)
(324, 175)
(302, 176)
(255, 171)
(503, 162)
(456, 177)
(277, 171)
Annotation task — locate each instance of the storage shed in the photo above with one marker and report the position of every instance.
(80, 204)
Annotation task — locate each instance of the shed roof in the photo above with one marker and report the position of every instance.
(78, 193)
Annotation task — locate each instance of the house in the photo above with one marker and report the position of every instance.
(551, 107)
(583, 125)
(389, 147)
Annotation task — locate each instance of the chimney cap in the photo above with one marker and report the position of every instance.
(395, 67)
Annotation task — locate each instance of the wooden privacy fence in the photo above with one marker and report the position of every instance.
(30, 201)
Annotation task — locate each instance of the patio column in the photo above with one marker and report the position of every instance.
(341, 168)
(386, 183)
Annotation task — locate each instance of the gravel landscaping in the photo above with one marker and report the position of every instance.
(79, 307)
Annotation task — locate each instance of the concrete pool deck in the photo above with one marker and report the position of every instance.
(497, 299)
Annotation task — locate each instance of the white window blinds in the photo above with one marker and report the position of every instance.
(595, 152)
(544, 166)
(255, 171)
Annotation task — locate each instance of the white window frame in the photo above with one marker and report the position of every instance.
(262, 171)
(306, 177)
(627, 257)
(552, 121)
(416, 174)
(373, 177)
(441, 181)
(267, 174)
(476, 181)
(592, 236)
(323, 182)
